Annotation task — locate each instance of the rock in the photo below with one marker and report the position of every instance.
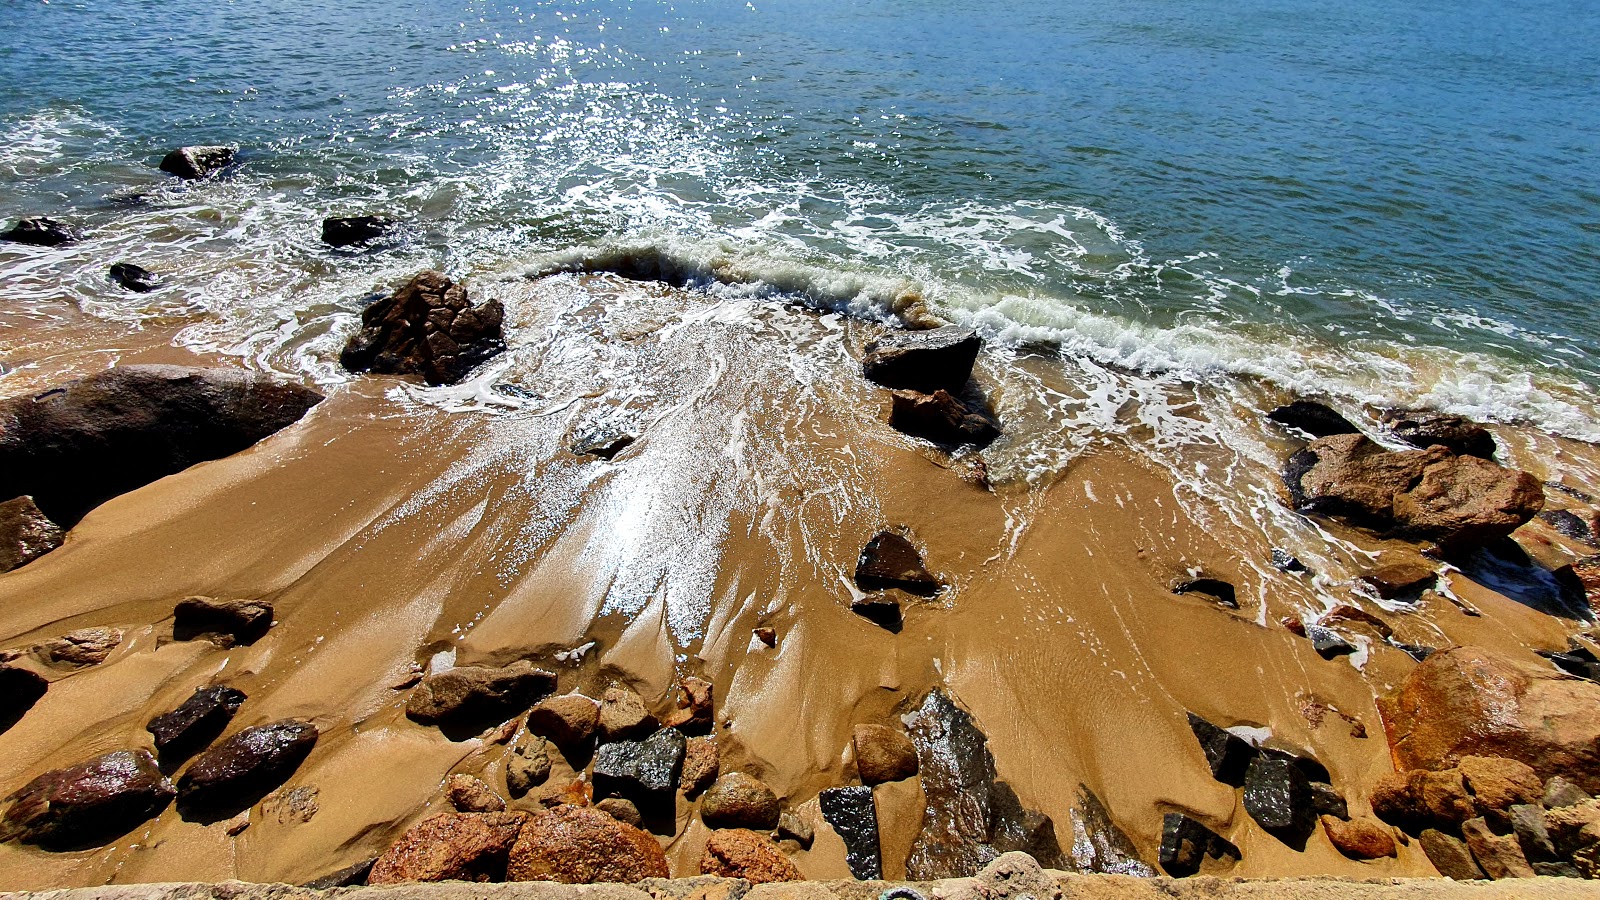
(793, 827)
(428, 327)
(738, 800)
(1458, 501)
(1572, 828)
(702, 762)
(242, 769)
(891, 561)
(135, 278)
(1186, 844)
(622, 810)
(1278, 796)
(1327, 801)
(471, 795)
(573, 845)
(84, 647)
(1566, 522)
(569, 721)
(738, 853)
(191, 163)
(623, 715)
(646, 771)
(1579, 661)
(1227, 754)
(478, 695)
(350, 876)
(196, 722)
(603, 443)
(20, 689)
(923, 360)
(1399, 579)
(1444, 797)
(74, 447)
(25, 533)
(883, 754)
(1347, 616)
(242, 621)
(694, 709)
(1359, 838)
(348, 230)
(1315, 419)
(768, 636)
(1327, 642)
(1467, 701)
(1449, 855)
(854, 818)
(881, 611)
(1527, 823)
(90, 803)
(1498, 784)
(528, 764)
(1215, 588)
(1559, 792)
(1098, 845)
(972, 816)
(943, 419)
(1463, 437)
(451, 847)
(41, 231)
(1498, 855)
(571, 793)
(1284, 561)
(290, 805)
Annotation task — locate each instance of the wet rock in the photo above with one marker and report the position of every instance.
(1449, 855)
(1315, 419)
(702, 762)
(1570, 524)
(1284, 561)
(739, 800)
(41, 231)
(471, 795)
(196, 722)
(573, 845)
(1227, 754)
(1467, 701)
(883, 754)
(1186, 844)
(1327, 642)
(242, 769)
(1278, 796)
(451, 847)
(1327, 801)
(89, 803)
(1498, 855)
(345, 231)
(352, 875)
(528, 764)
(428, 327)
(478, 695)
(84, 647)
(694, 707)
(623, 715)
(738, 853)
(1460, 436)
(793, 827)
(25, 533)
(1353, 617)
(20, 689)
(1579, 661)
(854, 817)
(191, 163)
(972, 816)
(1401, 579)
(881, 611)
(1359, 838)
(943, 418)
(135, 278)
(1098, 845)
(923, 361)
(1215, 588)
(569, 721)
(622, 810)
(891, 561)
(1498, 784)
(241, 621)
(646, 771)
(1559, 792)
(604, 444)
(75, 446)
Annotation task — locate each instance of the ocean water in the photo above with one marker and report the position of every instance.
(1395, 205)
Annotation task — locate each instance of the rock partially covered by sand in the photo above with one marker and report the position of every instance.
(1187, 843)
(20, 689)
(74, 447)
(740, 853)
(889, 560)
(40, 231)
(694, 706)
(476, 694)
(83, 647)
(528, 764)
(345, 231)
(451, 847)
(1457, 434)
(1459, 501)
(576, 845)
(190, 163)
(25, 533)
(241, 770)
(88, 803)
(1278, 796)
(851, 813)
(428, 327)
(943, 418)
(196, 722)
(1359, 838)
(702, 762)
(240, 621)
(883, 754)
(923, 360)
(740, 800)
(1227, 754)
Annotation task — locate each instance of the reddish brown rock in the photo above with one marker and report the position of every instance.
(451, 847)
(427, 327)
(1499, 855)
(196, 722)
(1355, 618)
(694, 709)
(1497, 784)
(584, 846)
(1444, 797)
(569, 721)
(471, 795)
(1399, 579)
(25, 533)
(701, 763)
(1359, 838)
(883, 754)
(738, 800)
(88, 803)
(571, 793)
(738, 853)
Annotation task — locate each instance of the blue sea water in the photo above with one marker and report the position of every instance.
(1394, 204)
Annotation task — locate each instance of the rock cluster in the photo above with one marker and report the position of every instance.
(427, 327)
(928, 373)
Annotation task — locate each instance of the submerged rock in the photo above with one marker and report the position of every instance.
(1315, 419)
(923, 360)
(739, 853)
(241, 770)
(242, 621)
(943, 418)
(191, 163)
(1186, 844)
(883, 754)
(89, 803)
(428, 327)
(855, 819)
(574, 845)
(25, 533)
(1456, 434)
(40, 231)
(470, 696)
(196, 722)
(881, 611)
(1218, 590)
(891, 561)
(1400, 579)
(348, 230)
(135, 278)
(74, 447)
(451, 847)
(646, 771)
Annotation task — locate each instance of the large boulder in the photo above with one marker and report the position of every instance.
(451, 847)
(1467, 701)
(739, 800)
(196, 722)
(40, 231)
(88, 803)
(74, 447)
(943, 418)
(191, 163)
(26, 533)
(477, 695)
(577, 845)
(1458, 501)
(428, 327)
(740, 853)
(923, 360)
(233, 775)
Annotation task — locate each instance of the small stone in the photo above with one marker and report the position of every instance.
(471, 795)
(25, 533)
(1559, 792)
(196, 723)
(191, 163)
(348, 230)
(881, 611)
(1284, 561)
(794, 827)
(1400, 579)
(89, 803)
(623, 715)
(767, 636)
(241, 770)
(569, 721)
(1347, 615)
(528, 764)
(292, 805)
(572, 845)
(738, 853)
(241, 621)
(694, 709)
(702, 762)
(1359, 838)
(1187, 843)
(135, 278)
(84, 647)
(1221, 592)
(1327, 801)
(451, 847)
(237, 824)
(1227, 754)
(1449, 855)
(603, 443)
(888, 561)
(883, 754)
(854, 818)
(1499, 855)
(572, 793)
(477, 695)
(353, 875)
(622, 810)
(1328, 643)
(738, 800)
(41, 231)
(645, 771)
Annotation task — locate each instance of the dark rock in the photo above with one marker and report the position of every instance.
(1449, 855)
(470, 698)
(428, 327)
(1559, 792)
(573, 845)
(1460, 436)
(603, 444)
(348, 230)
(1278, 796)
(923, 361)
(1327, 642)
(569, 721)
(191, 163)
(25, 533)
(1349, 616)
(1284, 561)
(1227, 754)
(1397, 580)
(972, 816)
(1578, 660)
(1417, 651)
(1186, 844)
(451, 847)
(1359, 838)
(1310, 768)
(236, 773)
(41, 231)
(768, 636)
(1527, 823)
(196, 722)
(694, 707)
(244, 621)
(352, 875)
(89, 803)
(891, 561)
(854, 817)
(1570, 524)
(20, 689)
(1315, 419)
(883, 754)
(1327, 801)
(1498, 854)
(702, 762)
(1215, 588)
(472, 795)
(74, 447)
(135, 278)
(943, 418)
(1098, 845)
(739, 800)
(645, 772)
(881, 611)
(81, 648)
